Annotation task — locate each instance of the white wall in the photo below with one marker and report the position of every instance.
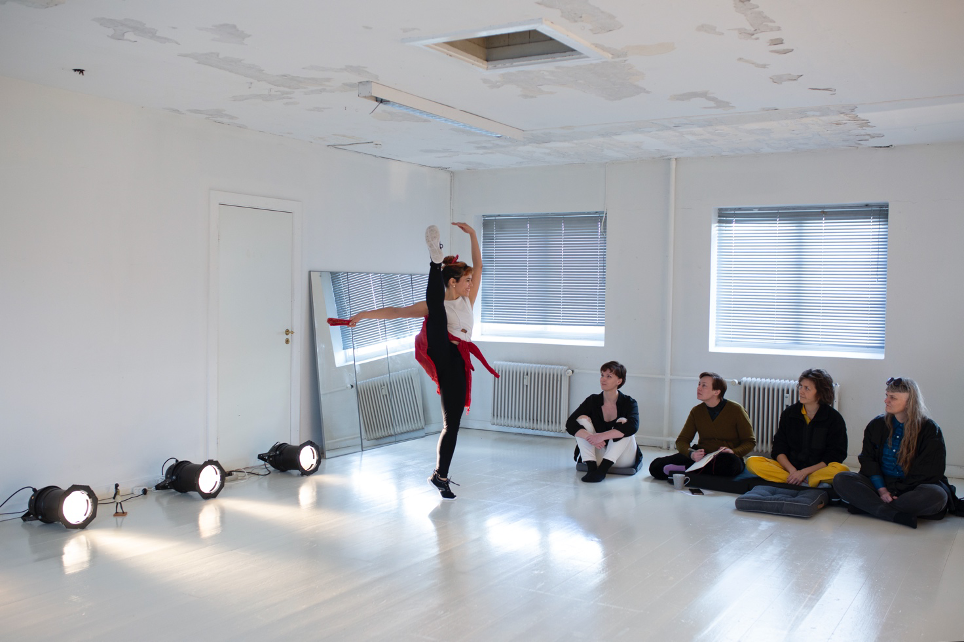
(925, 301)
(104, 271)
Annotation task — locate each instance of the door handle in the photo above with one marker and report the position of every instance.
(287, 332)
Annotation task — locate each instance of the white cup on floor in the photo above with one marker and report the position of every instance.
(680, 480)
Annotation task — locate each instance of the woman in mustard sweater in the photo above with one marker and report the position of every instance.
(811, 441)
(721, 425)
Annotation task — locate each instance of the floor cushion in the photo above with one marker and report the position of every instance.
(626, 470)
(782, 501)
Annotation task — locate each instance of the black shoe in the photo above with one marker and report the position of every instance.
(853, 510)
(442, 485)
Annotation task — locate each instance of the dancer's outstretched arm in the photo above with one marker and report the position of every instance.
(414, 311)
(476, 260)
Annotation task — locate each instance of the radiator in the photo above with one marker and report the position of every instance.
(531, 396)
(765, 400)
(390, 404)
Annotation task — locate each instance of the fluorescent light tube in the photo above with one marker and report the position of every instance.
(435, 111)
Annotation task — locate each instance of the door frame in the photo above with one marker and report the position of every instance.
(216, 200)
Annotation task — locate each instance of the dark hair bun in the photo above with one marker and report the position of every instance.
(449, 260)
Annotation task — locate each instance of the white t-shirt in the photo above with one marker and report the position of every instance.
(458, 314)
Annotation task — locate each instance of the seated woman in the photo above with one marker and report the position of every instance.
(721, 425)
(604, 425)
(901, 463)
(811, 441)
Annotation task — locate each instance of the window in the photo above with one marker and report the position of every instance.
(544, 278)
(800, 280)
(357, 291)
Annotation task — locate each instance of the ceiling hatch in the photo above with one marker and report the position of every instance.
(532, 42)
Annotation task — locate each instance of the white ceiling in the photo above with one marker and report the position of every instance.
(686, 77)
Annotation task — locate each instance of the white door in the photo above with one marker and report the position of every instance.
(254, 361)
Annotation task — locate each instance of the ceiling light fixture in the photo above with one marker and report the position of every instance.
(75, 507)
(435, 111)
(305, 458)
(207, 479)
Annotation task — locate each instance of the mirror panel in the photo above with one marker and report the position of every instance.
(391, 397)
(341, 433)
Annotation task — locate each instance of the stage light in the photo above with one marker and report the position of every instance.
(205, 479)
(304, 458)
(75, 507)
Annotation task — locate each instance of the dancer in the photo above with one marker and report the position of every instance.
(721, 424)
(604, 425)
(811, 441)
(902, 461)
(444, 345)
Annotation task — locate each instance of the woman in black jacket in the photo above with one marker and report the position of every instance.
(604, 425)
(811, 441)
(902, 461)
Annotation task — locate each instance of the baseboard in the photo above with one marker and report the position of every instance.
(484, 425)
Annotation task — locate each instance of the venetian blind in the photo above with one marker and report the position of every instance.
(802, 278)
(358, 291)
(547, 269)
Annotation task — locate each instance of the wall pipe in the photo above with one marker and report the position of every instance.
(668, 305)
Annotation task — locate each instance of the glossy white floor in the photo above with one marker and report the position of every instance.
(366, 550)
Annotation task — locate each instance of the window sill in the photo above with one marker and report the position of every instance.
(799, 352)
(542, 340)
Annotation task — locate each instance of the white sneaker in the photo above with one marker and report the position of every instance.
(434, 246)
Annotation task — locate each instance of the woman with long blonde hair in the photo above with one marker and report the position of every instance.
(901, 463)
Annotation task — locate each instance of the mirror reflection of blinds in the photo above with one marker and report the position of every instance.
(544, 269)
(358, 291)
(808, 277)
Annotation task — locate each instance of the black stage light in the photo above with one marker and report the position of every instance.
(205, 479)
(305, 458)
(75, 507)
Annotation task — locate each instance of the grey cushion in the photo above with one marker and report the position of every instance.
(782, 501)
(581, 466)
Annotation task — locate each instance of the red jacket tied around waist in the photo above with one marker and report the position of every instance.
(466, 348)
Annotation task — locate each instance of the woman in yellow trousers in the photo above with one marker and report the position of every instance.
(811, 441)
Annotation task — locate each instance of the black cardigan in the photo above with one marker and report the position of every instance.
(823, 439)
(592, 408)
(927, 466)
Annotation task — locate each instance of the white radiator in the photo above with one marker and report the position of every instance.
(531, 396)
(765, 400)
(391, 404)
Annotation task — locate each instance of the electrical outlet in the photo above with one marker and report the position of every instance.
(139, 490)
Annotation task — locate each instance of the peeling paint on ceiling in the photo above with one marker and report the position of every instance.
(301, 64)
(710, 29)
(36, 4)
(582, 11)
(254, 72)
(227, 33)
(705, 95)
(759, 21)
(215, 114)
(658, 49)
(758, 65)
(121, 28)
(782, 78)
(607, 80)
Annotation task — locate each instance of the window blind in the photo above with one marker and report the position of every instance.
(803, 278)
(358, 291)
(546, 269)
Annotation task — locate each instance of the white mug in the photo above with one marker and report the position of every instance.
(680, 480)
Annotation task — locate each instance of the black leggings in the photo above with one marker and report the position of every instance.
(449, 366)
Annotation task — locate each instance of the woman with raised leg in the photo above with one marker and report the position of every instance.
(444, 345)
